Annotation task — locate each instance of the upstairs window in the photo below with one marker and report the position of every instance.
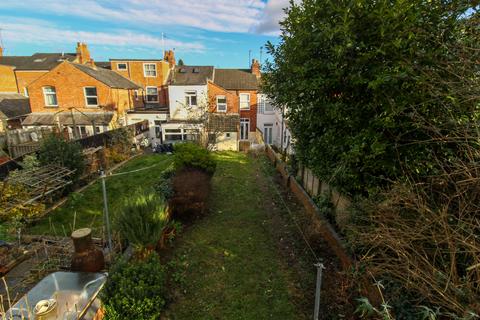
(152, 94)
(221, 104)
(244, 101)
(122, 66)
(91, 98)
(149, 69)
(264, 105)
(50, 96)
(191, 98)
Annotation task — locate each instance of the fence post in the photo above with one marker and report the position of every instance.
(318, 289)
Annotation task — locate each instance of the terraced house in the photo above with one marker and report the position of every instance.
(150, 101)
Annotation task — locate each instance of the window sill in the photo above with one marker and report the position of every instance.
(53, 106)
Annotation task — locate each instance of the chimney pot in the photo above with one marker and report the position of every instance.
(1, 52)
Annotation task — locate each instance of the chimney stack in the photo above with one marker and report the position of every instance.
(83, 55)
(255, 68)
(170, 58)
(1, 52)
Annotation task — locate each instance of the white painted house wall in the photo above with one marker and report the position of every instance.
(176, 96)
(154, 138)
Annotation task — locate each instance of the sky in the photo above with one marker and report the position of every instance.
(202, 32)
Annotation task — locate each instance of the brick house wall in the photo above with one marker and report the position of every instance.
(8, 82)
(232, 99)
(135, 73)
(25, 78)
(69, 83)
(252, 113)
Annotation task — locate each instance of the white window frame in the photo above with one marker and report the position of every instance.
(50, 93)
(154, 70)
(248, 101)
(262, 102)
(87, 96)
(122, 63)
(146, 94)
(242, 122)
(25, 91)
(222, 107)
(188, 98)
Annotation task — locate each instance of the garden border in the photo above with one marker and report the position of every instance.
(321, 224)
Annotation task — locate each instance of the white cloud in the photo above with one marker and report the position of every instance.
(272, 15)
(39, 32)
(213, 15)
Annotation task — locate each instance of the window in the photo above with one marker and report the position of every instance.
(121, 66)
(191, 98)
(91, 98)
(25, 91)
(152, 94)
(221, 104)
(227, 135)
(264, 105)
(244, 101)
(98, 129)
(149, 69)
(135, 95)
(244, 128)
(50, 96)
(173, 134)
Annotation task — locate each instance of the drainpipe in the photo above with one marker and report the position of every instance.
(281, 134)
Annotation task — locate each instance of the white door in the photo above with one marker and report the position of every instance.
(267, 133)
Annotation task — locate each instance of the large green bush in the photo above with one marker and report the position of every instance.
(142, 220)
(192, 156)
(369, 85)
(56, 150)
(135, 290)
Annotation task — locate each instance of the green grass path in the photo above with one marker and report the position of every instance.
(232, 269)
(89, 203)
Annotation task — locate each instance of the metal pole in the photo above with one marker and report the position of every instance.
(105, 209)
(320, 267)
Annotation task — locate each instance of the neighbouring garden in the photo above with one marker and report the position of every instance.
(209, 238)
(382, 99)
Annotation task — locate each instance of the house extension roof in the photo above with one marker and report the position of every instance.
(109, 77)
(236, 79)
(191, 75)
(65, 118)
(13, 105)
(37, 61)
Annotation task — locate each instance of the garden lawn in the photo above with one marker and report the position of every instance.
(88, 204)
(226, 264)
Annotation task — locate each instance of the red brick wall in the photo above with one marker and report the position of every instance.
(25, 78)
(252, 113)
(135, 73)
(69, 83)
(232, 99)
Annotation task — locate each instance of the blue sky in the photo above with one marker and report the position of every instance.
(203, 32)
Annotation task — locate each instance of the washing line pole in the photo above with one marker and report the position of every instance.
(318, 288)
(105, 209)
